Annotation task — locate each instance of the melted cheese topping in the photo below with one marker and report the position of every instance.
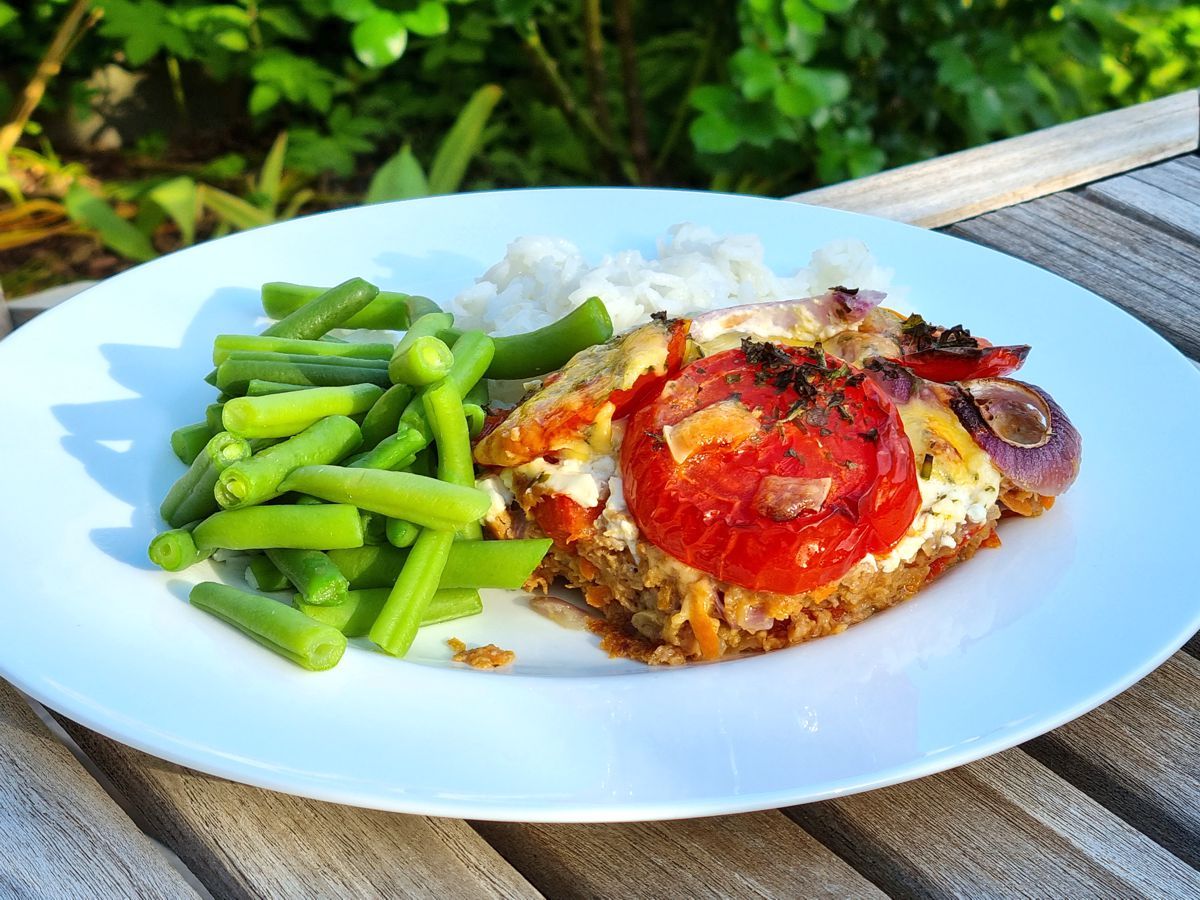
(961, 487)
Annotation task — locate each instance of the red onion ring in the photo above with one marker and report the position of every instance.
(1027, 435)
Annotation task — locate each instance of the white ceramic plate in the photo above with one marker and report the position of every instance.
(1074, 608)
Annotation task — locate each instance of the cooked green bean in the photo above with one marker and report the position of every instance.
(175, 550)
(476, 419)
(423, 361)
(374, 528)
(444, 412)
(224, 344)
(402, 612)
(188, 441)
(472, 355)
(312, 574)
(424, 463)
(259, 478)
(546, 349)
(256, 387)
(401, 533)
(382, 418)
(234, 375)
(293, 635)
(329, 309)
(263, 575)
(323, 526)
(358, 613)
(281, 415)
(471, 564)
(479, 394)
(392, 452)
(191, 496)
(388, 310)
(212, 416)
(267, 356)
(428, 326)
(426, 501)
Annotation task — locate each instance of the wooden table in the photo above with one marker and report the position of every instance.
(1108, 805)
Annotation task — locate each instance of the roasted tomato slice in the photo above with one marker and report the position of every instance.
(772, 468)
(946, 364)
(624, 372)
(562, 519)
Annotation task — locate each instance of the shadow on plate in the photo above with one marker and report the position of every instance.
(125, 444)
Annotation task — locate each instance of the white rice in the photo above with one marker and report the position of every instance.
(541, 279)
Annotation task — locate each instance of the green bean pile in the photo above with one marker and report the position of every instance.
(344, 469)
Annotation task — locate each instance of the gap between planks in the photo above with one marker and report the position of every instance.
(950, 188)
(61, 834)
(243, 841)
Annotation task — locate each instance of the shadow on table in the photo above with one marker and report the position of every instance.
(124, 444)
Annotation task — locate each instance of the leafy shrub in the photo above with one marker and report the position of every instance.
(756, 95)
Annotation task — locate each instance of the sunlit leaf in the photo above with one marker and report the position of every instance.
(429, 19)
(379, 39)
(400, 178)
(231, 209)
(178, 199)
(87, 209)
(272, 172)
(463, 141)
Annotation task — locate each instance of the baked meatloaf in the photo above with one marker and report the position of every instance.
(765, 475)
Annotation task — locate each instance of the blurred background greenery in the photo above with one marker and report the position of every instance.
(139, 126)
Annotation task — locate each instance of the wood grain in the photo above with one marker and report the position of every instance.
(752, 855)
(954, 187)
(1166, 196)
(1138, 756)
(241, 841)
(1004, 826)
(61, 835)
(1153, 275)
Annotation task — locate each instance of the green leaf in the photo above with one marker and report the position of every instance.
(178, 198)
(713, 133)
(832, 6)
(7, 14)
(284, 21)
(353, 10)
(88, 210)
(379, 39)
(801, 14)
(400, 178)
(463, 141)
(263, 98)
(230, 209)
(272, 172)
(293, 206)
(807, 90)
(429, 19)
(758, 72)
(224, 168)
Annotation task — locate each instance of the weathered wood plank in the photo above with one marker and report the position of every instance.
(242, 841)
(752, 855)
(954, 187)
(1152, 274)
(1137, 755)
(61, 835)
(1166, 196)
(1002, 826)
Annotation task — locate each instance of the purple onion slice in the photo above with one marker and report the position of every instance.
(1027, 435)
